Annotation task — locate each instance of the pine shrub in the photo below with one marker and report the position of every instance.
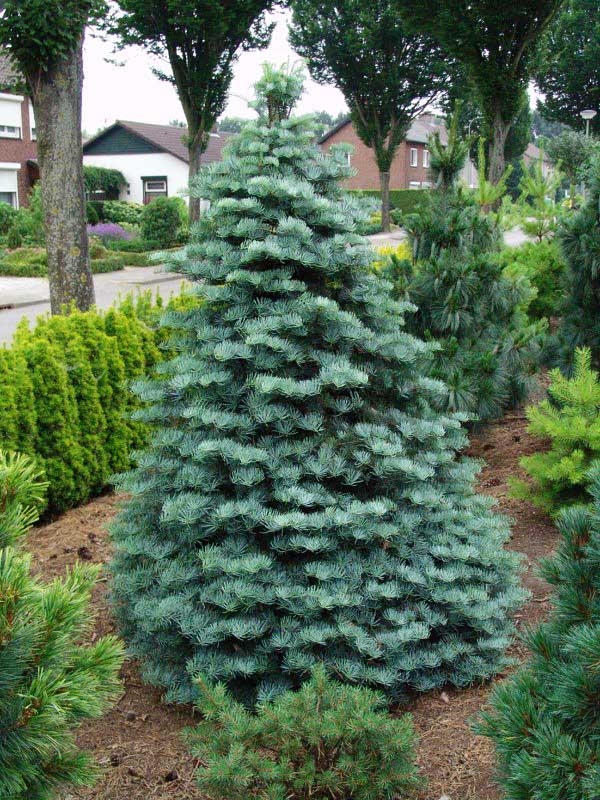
(49, 681)
(325, 742)
(579, 238)
(488, 350)
(544, 721)
(302, 501)
(542, 265)
(570, 420)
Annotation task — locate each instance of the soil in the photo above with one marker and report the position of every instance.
(139, 744)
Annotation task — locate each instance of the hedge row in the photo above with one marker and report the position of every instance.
(64, 397)
(33, 262)
(405, 200)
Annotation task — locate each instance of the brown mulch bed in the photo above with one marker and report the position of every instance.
(138, 743)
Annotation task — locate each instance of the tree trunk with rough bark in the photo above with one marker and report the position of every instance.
(384, 180)
(497, 164)
(56, 98)
(196, 147)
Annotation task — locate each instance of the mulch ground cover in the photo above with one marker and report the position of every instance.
(138, 743)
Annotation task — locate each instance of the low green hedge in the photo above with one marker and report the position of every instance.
(405, 200)
(64, 397)
(33, 262)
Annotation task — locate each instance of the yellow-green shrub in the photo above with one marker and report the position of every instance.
(65, 401)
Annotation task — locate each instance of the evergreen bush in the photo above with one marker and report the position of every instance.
(542, 265)
(14, 238)
(7, 215)
(325, 742)
(302, 501)
(579, 238)
(544, 721)
(570, 420)
(488, 351)
(49, 681)
(161, 221)
(64, 398)
(120, 211)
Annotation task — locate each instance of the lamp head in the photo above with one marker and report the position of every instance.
(588, 113)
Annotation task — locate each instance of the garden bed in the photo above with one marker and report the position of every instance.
(138, 742)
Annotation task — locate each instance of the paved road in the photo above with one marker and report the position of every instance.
(29, 297)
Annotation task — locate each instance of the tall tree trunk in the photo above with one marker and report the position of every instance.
(384, 180)
(195, 157)
(196, 145)
(496, 161)
(57, 101)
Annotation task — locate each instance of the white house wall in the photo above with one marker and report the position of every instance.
(136, 166)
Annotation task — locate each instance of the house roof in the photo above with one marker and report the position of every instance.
(164, 138)
(532, 153)
(419, 131)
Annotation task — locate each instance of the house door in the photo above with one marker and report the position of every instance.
(154, 187)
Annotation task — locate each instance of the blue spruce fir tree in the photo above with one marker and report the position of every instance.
(302, 501)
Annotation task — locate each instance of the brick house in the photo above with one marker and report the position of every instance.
(18, 148)
(410, 167)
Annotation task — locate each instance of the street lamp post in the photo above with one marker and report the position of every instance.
(587, 114)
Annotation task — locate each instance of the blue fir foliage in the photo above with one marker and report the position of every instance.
(301, 501)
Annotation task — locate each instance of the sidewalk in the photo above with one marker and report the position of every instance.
(30, 297)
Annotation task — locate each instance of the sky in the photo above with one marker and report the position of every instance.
(131, 92)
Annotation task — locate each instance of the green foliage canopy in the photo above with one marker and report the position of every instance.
(568, 71)
(496, 45)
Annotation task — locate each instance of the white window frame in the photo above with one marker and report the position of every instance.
(10, 132)
(426, 158)
(414, 157)
(414, 184)
(14, 168)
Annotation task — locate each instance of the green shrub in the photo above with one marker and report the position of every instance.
(49, 681)
(7, 216)
(121, 211)
(14, 238)
(161, 220)
(544, 720)
(570, 420)
(108, 264)
(64, 397)
(324, 742)
(579, 239)
(25, 262)
(97, 248)
(93, 218)
(543, 266)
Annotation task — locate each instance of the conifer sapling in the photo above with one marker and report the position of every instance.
(49, 682)
(302, 501)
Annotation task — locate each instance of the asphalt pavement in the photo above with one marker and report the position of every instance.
(29, 297)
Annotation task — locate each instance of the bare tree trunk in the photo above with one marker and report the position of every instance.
(497, 164)
(384, 180)
(57, 101)
(196, 149)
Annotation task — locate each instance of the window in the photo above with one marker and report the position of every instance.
(10, 132)
(414, 157)
(414, 185)
(9, 197)
(155, 186)
(9, 173)
(426, 159)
